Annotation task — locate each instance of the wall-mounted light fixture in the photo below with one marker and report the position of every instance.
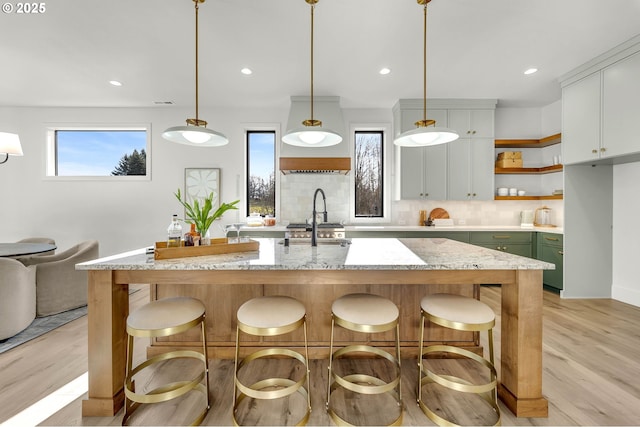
(196, 132)
(9, 146)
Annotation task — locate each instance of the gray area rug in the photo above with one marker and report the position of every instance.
(42, 325)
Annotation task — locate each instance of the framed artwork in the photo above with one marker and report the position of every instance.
(200, 182)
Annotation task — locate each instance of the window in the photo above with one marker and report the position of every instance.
(368, 174)
(261, 172)
(114, 152)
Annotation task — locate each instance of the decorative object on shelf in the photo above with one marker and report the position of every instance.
(426, 133)
(196, 132)
(509, 159)
(312, 134)
(9, 146)
(202, 214)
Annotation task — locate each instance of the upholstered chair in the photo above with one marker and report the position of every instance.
(17, 297)
(60, 287)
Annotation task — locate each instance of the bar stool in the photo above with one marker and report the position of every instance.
(264, 317)
(463, 314)
(369, 314)
(169, 316)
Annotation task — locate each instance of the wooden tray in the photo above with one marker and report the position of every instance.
(217, 246)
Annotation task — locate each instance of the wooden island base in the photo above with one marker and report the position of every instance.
(223, 291)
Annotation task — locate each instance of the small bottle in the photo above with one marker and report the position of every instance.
(174, 233)
(192, 238)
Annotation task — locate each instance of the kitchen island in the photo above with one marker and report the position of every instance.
(400, 269)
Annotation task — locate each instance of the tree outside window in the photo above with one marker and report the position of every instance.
(261, 176)
(369, 174)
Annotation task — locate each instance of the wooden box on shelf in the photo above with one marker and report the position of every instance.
(509, 159)
(217, 247)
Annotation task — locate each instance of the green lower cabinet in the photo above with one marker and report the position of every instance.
(516, 243)
(550, 249)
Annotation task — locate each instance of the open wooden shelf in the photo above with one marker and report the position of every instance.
(529, 143)
(548, 197)
(529, 171)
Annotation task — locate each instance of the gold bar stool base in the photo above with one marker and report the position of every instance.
(463, 314)
(365, 313)
(162, 318)
(270, 316)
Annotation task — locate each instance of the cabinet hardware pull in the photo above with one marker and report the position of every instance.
(561, 252)
(594, 151)
(603, 149)
(501, 237)
(553, 239)
(474, 194)
(473, 132)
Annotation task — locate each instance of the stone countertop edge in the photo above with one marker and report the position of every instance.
(360, 254)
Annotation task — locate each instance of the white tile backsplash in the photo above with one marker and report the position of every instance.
(296, 196)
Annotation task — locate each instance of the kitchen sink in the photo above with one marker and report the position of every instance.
(321, 242)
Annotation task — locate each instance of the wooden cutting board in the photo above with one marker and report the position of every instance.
(439, 213)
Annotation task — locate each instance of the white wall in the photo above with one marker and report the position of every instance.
(121, 215)
(626, 233)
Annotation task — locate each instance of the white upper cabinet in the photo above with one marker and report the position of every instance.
(621, 107)
(581, 120)
(470, 175)
(472, 123)
(423, 170)
(600, 107)
(459, 170)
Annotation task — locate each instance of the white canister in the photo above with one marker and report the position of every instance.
(513, 191)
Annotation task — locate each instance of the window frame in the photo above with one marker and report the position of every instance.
(385, 129)
(51, 159)
(261, 128)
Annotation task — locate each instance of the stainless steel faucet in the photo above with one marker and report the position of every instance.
(314, 222)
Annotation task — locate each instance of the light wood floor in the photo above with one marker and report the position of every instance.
(591, 371)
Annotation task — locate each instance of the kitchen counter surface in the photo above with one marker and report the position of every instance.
(360, 254)
(392, 228)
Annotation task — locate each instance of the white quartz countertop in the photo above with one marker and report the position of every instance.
(360, 254)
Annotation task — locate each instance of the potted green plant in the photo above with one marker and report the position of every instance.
(201, 214)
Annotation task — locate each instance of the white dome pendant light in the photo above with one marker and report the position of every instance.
(312, 134)
(196, 132)
(426, 133)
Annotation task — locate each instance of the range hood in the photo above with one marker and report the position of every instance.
(316, 160)
(315, 165)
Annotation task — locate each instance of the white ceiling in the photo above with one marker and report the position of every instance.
(476, 49)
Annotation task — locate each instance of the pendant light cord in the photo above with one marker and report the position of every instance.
(312, 10)
(197, 8)
(424, 64)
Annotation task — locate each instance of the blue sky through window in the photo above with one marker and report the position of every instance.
(262, 153)
(93, 152)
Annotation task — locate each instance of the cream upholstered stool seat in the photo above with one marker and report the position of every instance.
(270, 316)
(162, 318)
(365, 313)
(464, 314)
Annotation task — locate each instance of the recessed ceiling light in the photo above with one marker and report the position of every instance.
(115, 83)
(246, 71)
(384, 71)
(530, 71)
